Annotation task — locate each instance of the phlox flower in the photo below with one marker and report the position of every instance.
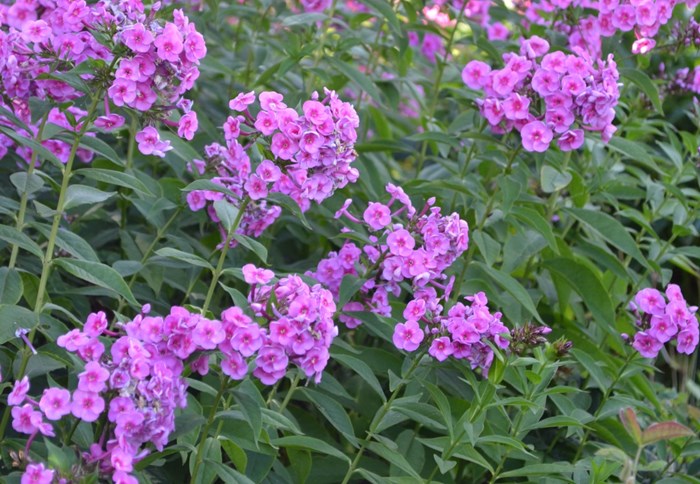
(36, 473)
(87, 405)
(647, 345)
(55, 403)
(536, 136)
(408, 336)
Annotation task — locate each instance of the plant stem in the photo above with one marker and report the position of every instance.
(378, 418)
(516, 427)
(603, 401)
(222, 257)
(210, 420)
(51, 244)
(288, 396)
(442, 63)
(25, 195)
(159, 235)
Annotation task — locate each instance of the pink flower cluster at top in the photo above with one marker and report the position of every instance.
(417, 250)
(137, 382)
(47, 39)
(299, 330)
(309, 155)
(663, 319)
(585, 31)
(576, 95)
(161, 66)
(33, 36)
(462, 333)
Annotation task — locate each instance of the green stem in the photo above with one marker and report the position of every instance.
(51, 244)
(442, 63)
(203, 439)
(25, 195)
(479, 226)
(222, 257)
(603, 401)
(516, 428)
(378, 418)
(159, 235)
(288, 396)
(318, 53)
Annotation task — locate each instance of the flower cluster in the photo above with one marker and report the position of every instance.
(152, 64)
(299, 328)
(309, 155)
(462, 333)
(545, 94)
(662, 319)
(161, 66)
(684, 80)
(417, 250)
(586, 23)
(136, 383)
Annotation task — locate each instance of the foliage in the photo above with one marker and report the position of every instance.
(335, 241)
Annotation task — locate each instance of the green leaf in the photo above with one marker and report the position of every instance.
(279, 421)
(252, 245)
(552, 180)
(587, 285)
(363, 82)
(310, 443)
(101, 148)
(182, 256)
(183, 149)
(210, 186)
(227, 475)
(117, 178)
(61, 458)
(540, 470)
(657, 432)
(348, 288)
(13, 317)
(536, 221)
(13, 236)
(227, 213)
(334, 413)
(394, 458)
(444, 466)
(235, 453)
(633, 151)
(558, 421)
(609, 229)
(287, 202)
(387, 13)
(250, 409)
(437, 137)
(309, 18)
(591, 366)
(98, 274)
(363, 370)
(10, 286)
(77, 195)
(72, 243)
(26, 183)
(513, 287)
(647, 86)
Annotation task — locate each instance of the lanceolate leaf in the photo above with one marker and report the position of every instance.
(657, 432)
(98, 274)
